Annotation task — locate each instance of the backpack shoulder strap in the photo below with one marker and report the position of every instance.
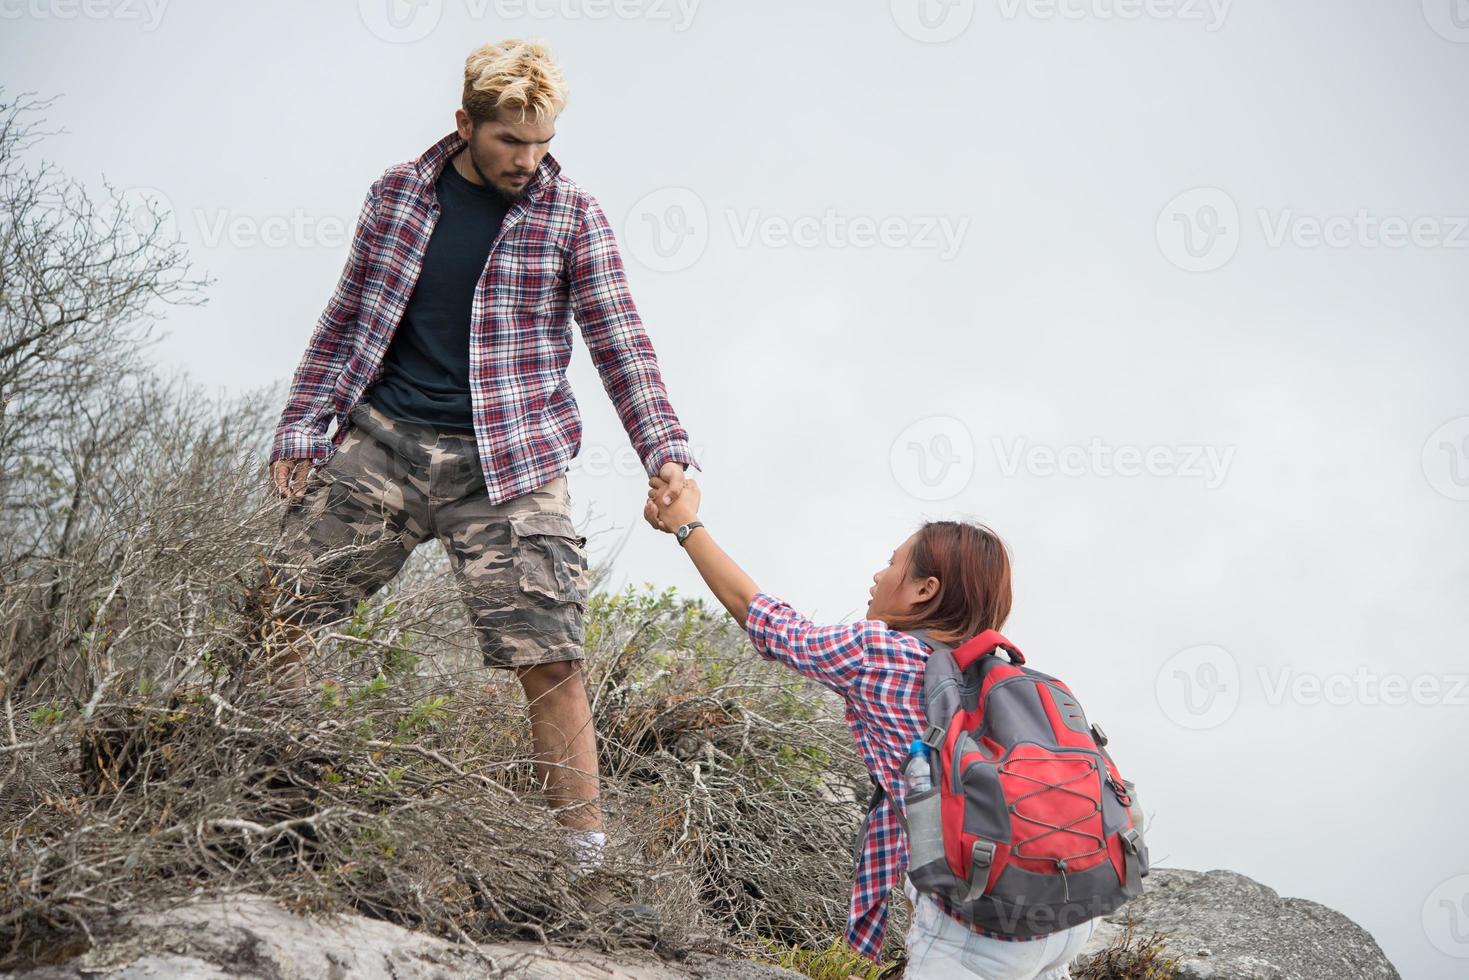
(923, 637)
(878, 791)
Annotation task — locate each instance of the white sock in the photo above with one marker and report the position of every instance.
(587, 847)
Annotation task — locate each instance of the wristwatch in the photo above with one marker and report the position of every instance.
(684, 530)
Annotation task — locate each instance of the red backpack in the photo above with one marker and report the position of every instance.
(1027, 827)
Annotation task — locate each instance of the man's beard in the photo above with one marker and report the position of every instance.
(509, 197)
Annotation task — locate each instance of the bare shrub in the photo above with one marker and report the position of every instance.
(84, 443)
(406, 791)
(1130, 957)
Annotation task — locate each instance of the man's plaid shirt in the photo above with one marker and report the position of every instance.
(879, 674)
(555, 259)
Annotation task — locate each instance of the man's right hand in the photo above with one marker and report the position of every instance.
(288, 477)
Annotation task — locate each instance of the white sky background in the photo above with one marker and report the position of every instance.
(839, 391)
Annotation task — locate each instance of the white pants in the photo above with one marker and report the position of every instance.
(940, 948)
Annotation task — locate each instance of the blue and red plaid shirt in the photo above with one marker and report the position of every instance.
(879, 674)
(555, 259)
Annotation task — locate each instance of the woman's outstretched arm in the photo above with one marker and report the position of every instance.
(831, 655)
(726, 579)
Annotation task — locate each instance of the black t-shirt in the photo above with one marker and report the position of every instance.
(425, 376)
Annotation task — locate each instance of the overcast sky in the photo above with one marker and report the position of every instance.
(1172, 293)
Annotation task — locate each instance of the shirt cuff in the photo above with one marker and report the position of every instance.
(674, 452)
(292, 443)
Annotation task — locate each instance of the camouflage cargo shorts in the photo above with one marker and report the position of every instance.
(390, 485)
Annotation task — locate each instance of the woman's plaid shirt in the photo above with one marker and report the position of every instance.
(555, 259)
(879, 674)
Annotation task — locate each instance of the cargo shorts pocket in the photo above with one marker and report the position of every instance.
(326, 473)
(314, 491)
(549, 557)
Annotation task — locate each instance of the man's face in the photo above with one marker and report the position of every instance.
(507, 152)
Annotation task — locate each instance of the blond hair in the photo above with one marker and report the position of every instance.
(515, 75)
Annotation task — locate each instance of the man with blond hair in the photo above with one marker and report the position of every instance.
(442, 359)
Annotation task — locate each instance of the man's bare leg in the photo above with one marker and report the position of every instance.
(565, 741)
(566, 752)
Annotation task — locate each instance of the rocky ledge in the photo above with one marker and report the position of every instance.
(249, 936)
(1216, 925)
(1219, 925)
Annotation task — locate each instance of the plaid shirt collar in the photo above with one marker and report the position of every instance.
(431, 162)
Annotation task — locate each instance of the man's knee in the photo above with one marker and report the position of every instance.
(562, 676)
(293, 599)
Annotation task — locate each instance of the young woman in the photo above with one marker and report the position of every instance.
(951, 580)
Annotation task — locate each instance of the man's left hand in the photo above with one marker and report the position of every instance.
(671, 474)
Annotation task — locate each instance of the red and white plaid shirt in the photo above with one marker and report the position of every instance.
(879, 674)
(555, 258)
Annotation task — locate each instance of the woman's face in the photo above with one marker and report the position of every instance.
(893, 591)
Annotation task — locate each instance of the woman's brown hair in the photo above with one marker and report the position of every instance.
(973, 568)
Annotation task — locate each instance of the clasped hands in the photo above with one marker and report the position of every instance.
(673, 499)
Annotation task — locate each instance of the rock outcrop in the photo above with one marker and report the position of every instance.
(1219, 925)
(250, 936)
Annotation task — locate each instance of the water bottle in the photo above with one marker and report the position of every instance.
(918, 776)
(923, 819)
